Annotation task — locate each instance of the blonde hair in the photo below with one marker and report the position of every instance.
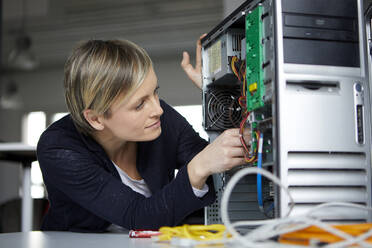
(98, 72)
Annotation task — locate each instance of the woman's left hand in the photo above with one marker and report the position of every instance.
(194, 73)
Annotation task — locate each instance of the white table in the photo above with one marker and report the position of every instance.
(39, 239)
(72, 240)
(25, 154)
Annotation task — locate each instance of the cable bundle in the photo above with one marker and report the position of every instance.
(290, 230)
(299, 231)
(187, 235)
(239, 70)
(316, 235)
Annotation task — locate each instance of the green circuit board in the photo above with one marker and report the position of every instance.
(255, 89)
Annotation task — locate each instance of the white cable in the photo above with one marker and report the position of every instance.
(226, 195)
(349, 239)
(260, 237)
(355, 240)
(334, 204)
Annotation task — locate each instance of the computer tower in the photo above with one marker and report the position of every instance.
(305, 85)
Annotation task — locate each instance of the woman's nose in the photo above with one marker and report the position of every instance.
(157, 110)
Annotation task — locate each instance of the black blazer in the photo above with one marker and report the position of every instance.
(85, 190)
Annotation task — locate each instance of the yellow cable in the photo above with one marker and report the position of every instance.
(304, 236)
(233, 60)
(194, 232)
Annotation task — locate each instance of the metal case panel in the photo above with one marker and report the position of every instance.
(317, 149)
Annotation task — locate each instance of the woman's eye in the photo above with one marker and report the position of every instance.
(156, 91)
(139, 106)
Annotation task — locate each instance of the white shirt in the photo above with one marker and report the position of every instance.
(141, 187)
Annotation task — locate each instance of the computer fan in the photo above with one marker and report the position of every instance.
(221, 108)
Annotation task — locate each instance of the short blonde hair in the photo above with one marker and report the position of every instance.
(98, 72)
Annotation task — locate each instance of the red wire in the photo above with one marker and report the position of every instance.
(242, 103)
(243, 141)
(241, 132)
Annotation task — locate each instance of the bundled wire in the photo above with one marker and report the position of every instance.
(238, 68)
(315, 234)
(244, 144)
(242, 102)
(187, 235)
(284, 232)
(287, 232)
(260, 198)
(239, 73)
(294, 231)
(234, 60)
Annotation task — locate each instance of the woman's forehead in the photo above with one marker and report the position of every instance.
(146, 88)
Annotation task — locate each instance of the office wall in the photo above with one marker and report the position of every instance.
(9, 172)
(42, 90)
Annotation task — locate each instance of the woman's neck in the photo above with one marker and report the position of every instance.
(122, 153)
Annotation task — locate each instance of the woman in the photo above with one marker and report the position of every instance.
(112, 159)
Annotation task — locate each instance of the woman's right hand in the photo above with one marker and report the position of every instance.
(224, 153)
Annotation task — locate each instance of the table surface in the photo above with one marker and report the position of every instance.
(19, 152)
(38, 239)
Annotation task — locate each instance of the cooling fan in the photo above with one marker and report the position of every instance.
(222, 109)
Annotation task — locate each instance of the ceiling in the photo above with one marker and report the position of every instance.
(162, 27)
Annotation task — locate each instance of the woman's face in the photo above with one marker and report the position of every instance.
(138, 118)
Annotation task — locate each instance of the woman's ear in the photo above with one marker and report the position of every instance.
(94, 119)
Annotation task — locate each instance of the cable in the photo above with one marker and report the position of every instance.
(235, 59)
(259, 178)
(260, 197)
(241, 73)
(267, 211)
(269, 230)
(245, 146)
(191, 233)
(225, 198)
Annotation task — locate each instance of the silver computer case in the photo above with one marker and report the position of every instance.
(320, 128)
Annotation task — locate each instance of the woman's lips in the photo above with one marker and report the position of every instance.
(155, 125)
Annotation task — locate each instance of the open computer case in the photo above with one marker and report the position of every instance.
(295, 72)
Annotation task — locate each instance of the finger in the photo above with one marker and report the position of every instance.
(198, 52)
(236, 152)
(185, 60)
(233, 142)
(232, 132)
(190, 71)
(247, 135)
(236, 162)
(246, 131)
(202, 36)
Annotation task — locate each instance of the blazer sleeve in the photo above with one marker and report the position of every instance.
(78, 175)
(188, 142)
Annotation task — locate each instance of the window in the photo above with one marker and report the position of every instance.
(194, 115)
(58, 116)
(34, 124)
